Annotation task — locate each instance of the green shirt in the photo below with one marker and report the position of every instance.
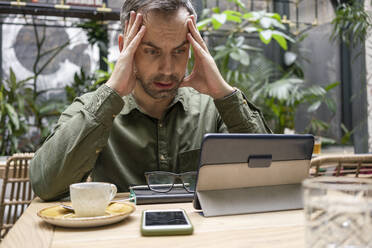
(110, 138)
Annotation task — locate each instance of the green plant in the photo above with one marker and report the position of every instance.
(278, 91)
(13, 119)
(283, 97)
(233, 57)
(351, 23)
(346, 138)
(101, 76)
(97, 34)
(84, 82)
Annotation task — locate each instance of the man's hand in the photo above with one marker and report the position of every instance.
(205, 76)
(122, 79)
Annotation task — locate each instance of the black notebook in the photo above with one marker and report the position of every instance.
(143, 195)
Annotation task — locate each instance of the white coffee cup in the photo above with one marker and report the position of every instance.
(91, 198)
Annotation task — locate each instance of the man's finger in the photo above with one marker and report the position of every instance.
(132, 48)
(193, 19)
(135, 28)
(125, 33)
(125, 28)
(132, 18)
(195, 33)
(198, 50)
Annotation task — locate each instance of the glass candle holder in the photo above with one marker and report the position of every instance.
(338, 212)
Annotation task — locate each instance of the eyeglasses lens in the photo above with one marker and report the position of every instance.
(160, 182)
(189, 180)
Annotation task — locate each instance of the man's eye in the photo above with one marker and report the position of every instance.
(151, 51)
(180, 51)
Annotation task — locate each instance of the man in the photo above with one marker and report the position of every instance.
(148, 116)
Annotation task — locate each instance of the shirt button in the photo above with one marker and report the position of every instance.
(160, 124)
(244, 101)
(98, 151)
(162, 157)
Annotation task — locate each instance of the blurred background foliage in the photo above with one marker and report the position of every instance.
(277, 88)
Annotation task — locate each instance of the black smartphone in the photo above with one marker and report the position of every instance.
(165, 222)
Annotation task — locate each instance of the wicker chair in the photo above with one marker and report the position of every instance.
(352, 165)
(16, 192)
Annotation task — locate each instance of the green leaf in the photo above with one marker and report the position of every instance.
(250, 29)
(277, 24)
(282, 88)
(235, 55)
(239, 41)
(248, 15)
(216, 10)
(344, 128)
(313, 107)
(13, 116)
(244, 57)
(200, 25)
(251, 48)
(216, 24)
(281, 41)
(239, 3)
(233, 18)
(284, 35)
(12, 77)
(275, 16)
(21, 103)
(331, 86)
(111, 65)
(265, 22)
(289, 58)
(331, 104)
(219, 48)
(221, 54)
(265, 36)
(232, 12)
(315, 90)
(221, 18)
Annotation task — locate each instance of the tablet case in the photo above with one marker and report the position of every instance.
(250, 173)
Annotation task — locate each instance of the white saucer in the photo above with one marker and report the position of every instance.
(59, 216)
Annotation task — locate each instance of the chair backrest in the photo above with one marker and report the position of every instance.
(16, 192)
(355, 165)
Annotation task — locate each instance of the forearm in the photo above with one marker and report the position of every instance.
(241, 116)
(70, 152)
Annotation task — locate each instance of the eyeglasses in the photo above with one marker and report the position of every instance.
(163, 181)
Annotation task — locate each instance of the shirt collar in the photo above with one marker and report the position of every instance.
(131, 104)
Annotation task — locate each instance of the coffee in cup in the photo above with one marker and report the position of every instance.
(91, 198)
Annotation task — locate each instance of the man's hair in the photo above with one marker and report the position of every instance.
(145, 6)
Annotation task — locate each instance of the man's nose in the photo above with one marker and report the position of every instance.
(166, 65)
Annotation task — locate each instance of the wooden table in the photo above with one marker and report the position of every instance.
(274, 229)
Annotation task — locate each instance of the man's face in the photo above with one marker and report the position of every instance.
(162, 56)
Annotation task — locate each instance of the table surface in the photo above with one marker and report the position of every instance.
(272, 229)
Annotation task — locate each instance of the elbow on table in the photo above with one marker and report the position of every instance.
(40, 187)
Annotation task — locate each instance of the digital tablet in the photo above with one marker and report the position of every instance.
(246, 173)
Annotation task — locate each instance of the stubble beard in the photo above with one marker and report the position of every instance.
(151, 90)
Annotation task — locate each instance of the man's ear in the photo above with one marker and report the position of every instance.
(121, 42)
